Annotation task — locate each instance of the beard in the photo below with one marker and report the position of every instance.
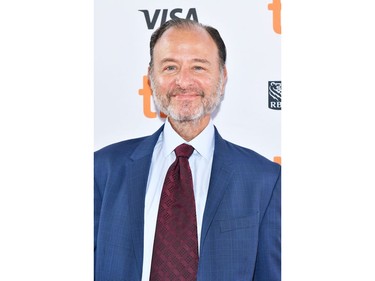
(187, 111)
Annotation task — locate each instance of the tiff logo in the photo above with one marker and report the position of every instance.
(275, 7)
(274, 95)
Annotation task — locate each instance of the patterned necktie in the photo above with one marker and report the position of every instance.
(175, 254)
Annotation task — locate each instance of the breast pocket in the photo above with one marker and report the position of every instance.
(239, 223)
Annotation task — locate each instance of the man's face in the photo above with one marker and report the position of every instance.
(186, 79)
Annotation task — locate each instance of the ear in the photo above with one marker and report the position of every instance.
(225, 78)
(149, 76)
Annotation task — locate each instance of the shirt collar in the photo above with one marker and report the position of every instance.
(203, 143)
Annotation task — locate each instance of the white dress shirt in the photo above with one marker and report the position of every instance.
(163, 156)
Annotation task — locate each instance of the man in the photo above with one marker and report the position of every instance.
(236, 192)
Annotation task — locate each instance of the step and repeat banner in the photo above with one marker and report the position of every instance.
(249, 115)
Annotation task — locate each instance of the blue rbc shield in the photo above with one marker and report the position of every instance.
(274, 95)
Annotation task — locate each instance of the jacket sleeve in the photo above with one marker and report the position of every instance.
(268, 263)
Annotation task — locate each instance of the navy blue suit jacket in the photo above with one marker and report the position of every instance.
(240, 237)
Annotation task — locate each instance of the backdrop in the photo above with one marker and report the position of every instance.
(250, 112)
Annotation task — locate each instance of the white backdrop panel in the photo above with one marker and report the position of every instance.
(122, 55)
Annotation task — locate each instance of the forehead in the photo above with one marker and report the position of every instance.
(186, 41)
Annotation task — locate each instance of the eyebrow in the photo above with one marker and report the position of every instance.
(201, 61)
(166, 60)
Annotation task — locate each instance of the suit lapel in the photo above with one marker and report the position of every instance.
(137, 181)
(220, 176)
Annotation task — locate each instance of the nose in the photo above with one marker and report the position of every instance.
(184, 78)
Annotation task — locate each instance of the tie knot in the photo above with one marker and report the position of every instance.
(184, 150)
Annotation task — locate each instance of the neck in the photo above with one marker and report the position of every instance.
(188, 130)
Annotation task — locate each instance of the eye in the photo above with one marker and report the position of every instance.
(170, 68)
(198, 68)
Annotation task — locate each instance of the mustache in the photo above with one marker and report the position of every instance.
(184, 91)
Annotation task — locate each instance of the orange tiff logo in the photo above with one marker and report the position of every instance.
(275, 7)
(146, 92)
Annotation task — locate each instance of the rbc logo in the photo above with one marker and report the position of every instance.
(274, 95)
(173, 14)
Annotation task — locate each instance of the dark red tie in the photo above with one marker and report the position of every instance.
(175, 254)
